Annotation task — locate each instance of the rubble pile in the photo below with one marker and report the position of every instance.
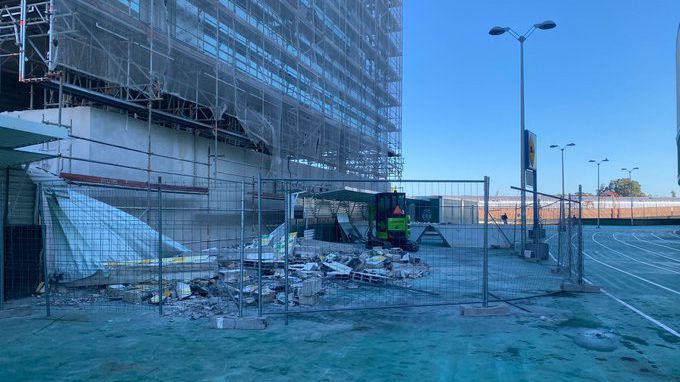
(313, 268)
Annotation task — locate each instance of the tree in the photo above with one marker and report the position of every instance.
(624, 187)
(673, 195)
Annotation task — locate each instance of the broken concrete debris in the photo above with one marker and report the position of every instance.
(213, 283)
(183, 290)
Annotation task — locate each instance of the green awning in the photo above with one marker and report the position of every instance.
(17, 132)
(9, 157)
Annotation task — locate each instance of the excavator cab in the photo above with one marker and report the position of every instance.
(391, 221)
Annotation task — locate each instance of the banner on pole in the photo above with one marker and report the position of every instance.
(530, 150)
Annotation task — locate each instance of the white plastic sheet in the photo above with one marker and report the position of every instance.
(87, 233)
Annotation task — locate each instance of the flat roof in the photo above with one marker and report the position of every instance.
(9, 157)
(17, 132)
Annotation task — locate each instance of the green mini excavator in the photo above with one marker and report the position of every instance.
(392, 224)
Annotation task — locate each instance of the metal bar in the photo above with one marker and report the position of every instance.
(160, 247)
(50, 38)
(523, 197)
(61, 97)
(287, 230)
(136, 150)
(560, 235)
(22, 41)
(259, 245)
(132, 167)
(485, 286)
(580, 236)
(3, 224)
(242, 247)
(569, 246)
(375, 181)
(141, 110)
(548, 195)
(46, 278)
(537, 206)
(630, 179)
(598, 195)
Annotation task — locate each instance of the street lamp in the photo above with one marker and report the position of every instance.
(562, 148)
(597, 189)
(497, 31)
(630, 179)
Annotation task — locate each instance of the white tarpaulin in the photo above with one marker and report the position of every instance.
(87, 233)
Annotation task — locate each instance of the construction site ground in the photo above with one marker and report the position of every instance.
(628, 332)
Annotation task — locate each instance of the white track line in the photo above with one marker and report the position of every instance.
(632, 275)
(653, 243)
(646, 250)
(634, 259)
(634, 309)
(670, 241)
(638, 311)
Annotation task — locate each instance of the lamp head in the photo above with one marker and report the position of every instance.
(605, 160)
(545, 25)
(592, 161)
(553, 146)
(571, 144)
(497, 31)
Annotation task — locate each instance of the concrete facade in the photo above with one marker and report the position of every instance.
(96, 133)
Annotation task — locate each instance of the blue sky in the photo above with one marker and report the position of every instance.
(603, 79)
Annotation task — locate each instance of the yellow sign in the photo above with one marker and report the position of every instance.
(531, 150)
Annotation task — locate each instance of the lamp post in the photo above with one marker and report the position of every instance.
(562, 148)
(597, 189)
(497, 31)
(630, 179)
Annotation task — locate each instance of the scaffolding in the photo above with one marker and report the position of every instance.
(316, 82)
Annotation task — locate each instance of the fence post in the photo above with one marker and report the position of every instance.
(3, 223)
(160, 248)
(580, 235)
(46, 273)
(259, 245)
(286, 208)
(569, 247)
(242, 247)
(560, 234)
(485, 284)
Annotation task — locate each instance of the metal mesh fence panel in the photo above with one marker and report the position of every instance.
(174, 248)
(358, 245)
(550, 251)
(276, 246)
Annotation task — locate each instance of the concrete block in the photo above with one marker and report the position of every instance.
(244, 323)
(480, 311)
(538, 250)
(129, 295)
(308, 300)
(230, 275)
(310, 287)
(580, 288)
(268, 295)
(20, 311)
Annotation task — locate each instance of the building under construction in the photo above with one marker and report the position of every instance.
(195, 90)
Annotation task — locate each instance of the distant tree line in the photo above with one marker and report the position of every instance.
(623, 187)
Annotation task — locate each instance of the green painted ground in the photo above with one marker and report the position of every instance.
(548, 342)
